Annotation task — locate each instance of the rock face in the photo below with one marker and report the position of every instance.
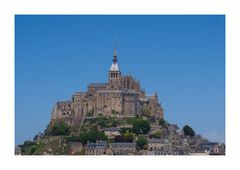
(121, 96)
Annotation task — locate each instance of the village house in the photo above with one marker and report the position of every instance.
(155, 144)
(123, 148)
(98, 148)
(166, 149)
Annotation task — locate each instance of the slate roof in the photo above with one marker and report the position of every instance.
(97, 85)
(124, 144)
(98, 145)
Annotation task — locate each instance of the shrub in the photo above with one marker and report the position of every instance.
(188, 131)
(162, 122)
(92, 136)
(156, 134)
(141, 127)
(141, 142)
(73, 139)
(126, 137)
(58, 128)
(125, 129)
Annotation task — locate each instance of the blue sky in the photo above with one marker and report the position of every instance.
(182, 57)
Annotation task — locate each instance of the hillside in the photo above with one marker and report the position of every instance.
(119, 136)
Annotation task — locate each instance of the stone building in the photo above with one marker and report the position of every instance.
(123, 148)
(120, 96)
(98, 148)
(155, 144)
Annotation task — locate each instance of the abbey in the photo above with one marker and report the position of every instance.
(121, 96)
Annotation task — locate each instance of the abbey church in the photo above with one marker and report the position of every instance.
(121, 96)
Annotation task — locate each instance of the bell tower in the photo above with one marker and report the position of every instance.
(114, 73)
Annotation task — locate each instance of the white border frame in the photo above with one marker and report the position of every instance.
(8, 9)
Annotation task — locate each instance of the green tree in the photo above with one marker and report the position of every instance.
(162, 122)
(141, 143)
(90, 114)
(100, 115)
(58, 128)
(156, 134)
(105, 121)
(102, 121)
(141, 126)
(188, 131)
(29, 147)
(28, 143)
(126, 129)
(128, 136)
(131, 120)
(92, 136)
(73, 138)
(114, 112)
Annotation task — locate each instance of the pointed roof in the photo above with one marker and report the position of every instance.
(114, 67)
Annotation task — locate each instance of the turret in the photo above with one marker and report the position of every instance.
(114, 73)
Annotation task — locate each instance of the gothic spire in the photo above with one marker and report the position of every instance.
(114, 66)
(115, 56)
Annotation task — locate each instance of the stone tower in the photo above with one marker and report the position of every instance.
(114, 74)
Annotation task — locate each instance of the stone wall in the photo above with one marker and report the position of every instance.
(126, 100)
